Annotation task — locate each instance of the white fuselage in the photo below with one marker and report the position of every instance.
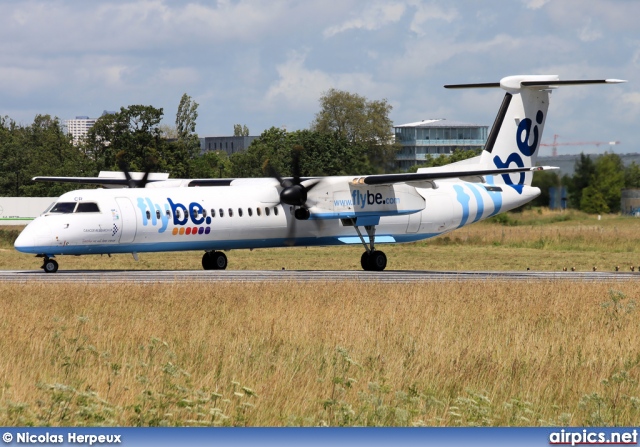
(248, 214)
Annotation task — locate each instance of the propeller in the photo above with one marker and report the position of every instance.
(294, 192)
(131, 182)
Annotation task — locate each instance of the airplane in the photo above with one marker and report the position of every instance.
(158, 214)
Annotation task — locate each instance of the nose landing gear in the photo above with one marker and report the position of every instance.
(49, 265)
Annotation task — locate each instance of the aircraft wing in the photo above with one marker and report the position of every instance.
(86, 180)
(383, 179)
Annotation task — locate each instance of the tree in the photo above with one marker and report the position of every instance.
(593, 202)
(240, 131)
(544, 180)
(321, 154)
(211, 164)
(358, 121)
(609, 179)
(632, 176)
(131, 135)
(186, 117)
(582, 177)
(39, 149)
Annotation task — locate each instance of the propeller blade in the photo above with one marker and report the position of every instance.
(295, 163)
(290, 241)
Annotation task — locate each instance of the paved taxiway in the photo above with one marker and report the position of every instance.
(390, 276)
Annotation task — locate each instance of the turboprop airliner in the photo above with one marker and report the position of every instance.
(152, 214)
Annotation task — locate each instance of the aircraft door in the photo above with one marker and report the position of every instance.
(128, 222)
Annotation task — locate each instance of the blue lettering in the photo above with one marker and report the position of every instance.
(361, 199)
(163, 217)
(178, 206)
(154, 220)
(143, 208)
(513, 158)
(196, 209)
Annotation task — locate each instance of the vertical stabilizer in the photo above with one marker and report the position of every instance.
(516, 134)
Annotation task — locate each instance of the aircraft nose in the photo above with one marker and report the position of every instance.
(27, 241)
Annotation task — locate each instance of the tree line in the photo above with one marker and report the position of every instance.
(595, 186)
(349, 135)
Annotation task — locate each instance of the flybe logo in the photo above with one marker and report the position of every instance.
(186, 219)
(523, 135)
(360, 199)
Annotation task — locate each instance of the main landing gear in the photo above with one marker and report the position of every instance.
(214, 260)
(372, 259)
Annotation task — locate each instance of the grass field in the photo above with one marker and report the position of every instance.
(472, 353)
(485, 353)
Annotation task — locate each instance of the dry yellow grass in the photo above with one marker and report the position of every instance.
(485, 353)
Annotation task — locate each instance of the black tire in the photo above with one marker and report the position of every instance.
(364, 261)
(50, 266)
(219, 260)
(207, 261)
(377, 261)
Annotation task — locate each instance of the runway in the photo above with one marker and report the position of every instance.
(251, 276)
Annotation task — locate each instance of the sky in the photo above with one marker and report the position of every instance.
(266, 63)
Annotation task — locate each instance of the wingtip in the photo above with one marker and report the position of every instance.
(615, 81)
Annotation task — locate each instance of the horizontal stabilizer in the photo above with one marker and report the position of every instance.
(515, 83)
(387, 179)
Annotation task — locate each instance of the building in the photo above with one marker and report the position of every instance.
(436, 136)
(230, 145)
(79, 126)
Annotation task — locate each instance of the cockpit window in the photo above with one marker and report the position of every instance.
(48, 208)
(87, 207)
(63, 207)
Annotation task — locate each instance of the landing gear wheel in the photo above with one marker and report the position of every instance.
(214, 260)
(374, 261)
(377, 261)
(219, 260)
(364, 260)
(50, 266)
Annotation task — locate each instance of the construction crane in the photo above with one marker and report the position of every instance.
(555, 144)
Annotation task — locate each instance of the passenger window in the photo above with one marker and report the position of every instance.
(250, 212)
(63, 207)
(168, 213)
(230, 212)
(87, 207)
(275, 210)
(213, 212)
(148, 214)
(258, 212)
(179, 214)
(239, 212)
(204, 213)
(266, 210)
(221, 212)
(158, 214)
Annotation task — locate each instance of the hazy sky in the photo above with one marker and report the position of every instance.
(266, 63)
